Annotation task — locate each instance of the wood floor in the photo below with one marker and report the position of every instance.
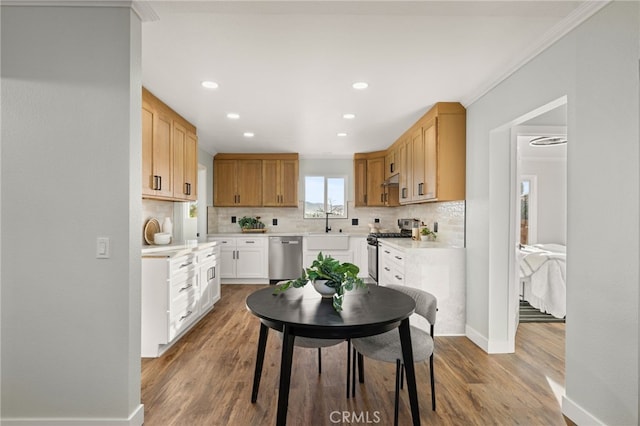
(206, 378)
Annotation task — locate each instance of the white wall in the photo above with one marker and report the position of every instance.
(70, 172)
(596, 67)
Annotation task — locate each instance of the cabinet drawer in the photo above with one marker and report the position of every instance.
(251, 242)
(182, 263)
(209, 254)
(183, 312)
(188, 282)
(225, 242)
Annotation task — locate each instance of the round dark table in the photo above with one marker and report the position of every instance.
(302, 312)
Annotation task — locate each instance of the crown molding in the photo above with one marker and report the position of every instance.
(578, 16)
(141, 8)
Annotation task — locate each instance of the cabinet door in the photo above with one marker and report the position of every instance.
(405, 170)
(191, 166)
(430, 137)
(179, 141)
(147, 151)
(417, 165)
(390, 164)
(360, 177)
(250, 262)
(289, 183)
(224, 183)
(228, 262)
(270, 183)
(375, 178)
(249, 183)
(162, 154)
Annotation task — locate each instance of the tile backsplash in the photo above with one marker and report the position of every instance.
(449, 215)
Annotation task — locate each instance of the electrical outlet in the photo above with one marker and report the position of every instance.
(376, 220)
(435, 226)
(274, 222)
(233, 219)
(354, 222)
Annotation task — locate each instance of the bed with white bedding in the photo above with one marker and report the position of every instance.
(542, 273)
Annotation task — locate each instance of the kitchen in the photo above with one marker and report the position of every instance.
(89, 328)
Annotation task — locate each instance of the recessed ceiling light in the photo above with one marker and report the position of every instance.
(233, 115)
(360, 85)
(209, 84)
(248, 134)
(342, 134)
(349, 116)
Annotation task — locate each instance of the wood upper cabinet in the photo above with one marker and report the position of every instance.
(237, 182)
(429, 159)
(405, 179)
(169, 152)
(191, 165)
(360, 178)
(424, 161)
(390, 163)
(375, 180)
(185, 163)
(437, 155)
(157, 155)
(280, 183)
(369, 170)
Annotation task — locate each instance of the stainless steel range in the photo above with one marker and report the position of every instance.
(405, 226)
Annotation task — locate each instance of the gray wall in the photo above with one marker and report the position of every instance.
(596, 67)
(70, 172)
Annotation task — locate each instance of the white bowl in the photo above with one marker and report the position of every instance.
(162, 238)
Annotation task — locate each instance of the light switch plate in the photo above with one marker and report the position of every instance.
(103, 248)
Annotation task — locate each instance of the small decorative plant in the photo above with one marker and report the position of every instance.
(428, 233)
(339, 276)
(247, 222)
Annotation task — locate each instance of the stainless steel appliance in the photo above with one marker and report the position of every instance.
(285, 258)
(405, 225)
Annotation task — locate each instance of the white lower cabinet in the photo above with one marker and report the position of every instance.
(391, 267)
(208, 261)
(244, 259)
(437, 270)
(176, 292)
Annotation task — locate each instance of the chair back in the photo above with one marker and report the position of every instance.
(426, 303)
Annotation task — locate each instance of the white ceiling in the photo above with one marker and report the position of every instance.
(287, 66)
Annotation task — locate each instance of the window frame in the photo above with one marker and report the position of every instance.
(326, 178)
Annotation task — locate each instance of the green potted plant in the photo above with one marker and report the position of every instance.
(248, 222)
(427, 234)
(330, 278)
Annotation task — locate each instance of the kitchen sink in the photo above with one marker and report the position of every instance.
(325, 241)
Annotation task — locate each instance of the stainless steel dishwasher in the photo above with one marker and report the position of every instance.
(285, 258)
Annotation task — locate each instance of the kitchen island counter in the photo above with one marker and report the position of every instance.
(174, 250)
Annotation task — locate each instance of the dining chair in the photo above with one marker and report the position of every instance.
(386, 346)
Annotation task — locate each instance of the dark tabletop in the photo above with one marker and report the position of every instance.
(365, 312)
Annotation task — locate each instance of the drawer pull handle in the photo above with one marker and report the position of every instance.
(386, 269)
(185, 288)
(398, 257)
(186, 315)
(211, 254)
(387, 251)
(398, 277)
(185, 264)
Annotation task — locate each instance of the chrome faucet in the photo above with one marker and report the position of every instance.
(326, 223)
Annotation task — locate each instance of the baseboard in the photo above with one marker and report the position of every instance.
(477, 338)
(489, 346)
(135, 419)
(577, 414)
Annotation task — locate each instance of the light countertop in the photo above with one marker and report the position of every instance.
(408, 243)
(282, 234)
(174, 250)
